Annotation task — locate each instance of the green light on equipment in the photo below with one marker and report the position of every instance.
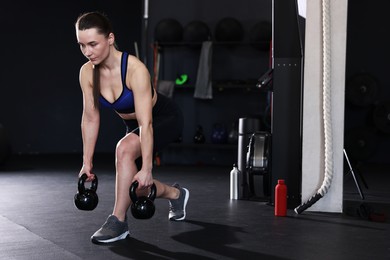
(182, 79)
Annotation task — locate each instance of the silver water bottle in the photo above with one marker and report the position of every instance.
(234, 183)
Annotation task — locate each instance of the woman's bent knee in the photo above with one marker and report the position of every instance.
(128, 147)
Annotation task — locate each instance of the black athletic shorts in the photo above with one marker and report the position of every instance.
(167, 123)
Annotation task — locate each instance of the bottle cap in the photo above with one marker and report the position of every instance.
(280, 181)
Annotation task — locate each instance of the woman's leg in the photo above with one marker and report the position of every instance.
(127, 151)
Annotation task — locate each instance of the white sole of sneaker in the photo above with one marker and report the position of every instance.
(185, 205)
(120, 237)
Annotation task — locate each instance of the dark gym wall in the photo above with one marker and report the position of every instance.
(40, 97)
(368, 52)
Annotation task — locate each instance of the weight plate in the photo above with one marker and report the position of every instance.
(362, 90)
(361, 143)
(381, 116)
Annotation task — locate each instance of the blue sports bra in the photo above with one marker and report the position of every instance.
(125, 102)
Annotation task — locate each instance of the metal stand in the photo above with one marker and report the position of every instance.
(286, 122)
(353, 175)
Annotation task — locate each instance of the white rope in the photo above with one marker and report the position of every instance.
(326, 110)
(326, 98)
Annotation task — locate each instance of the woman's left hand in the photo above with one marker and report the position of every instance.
(144, 178)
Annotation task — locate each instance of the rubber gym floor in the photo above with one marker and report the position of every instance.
(38, 219)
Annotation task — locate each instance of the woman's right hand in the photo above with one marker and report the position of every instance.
(88, 172)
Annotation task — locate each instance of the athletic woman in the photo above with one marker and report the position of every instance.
(115, 79)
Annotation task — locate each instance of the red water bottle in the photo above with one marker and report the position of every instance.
(281, 199)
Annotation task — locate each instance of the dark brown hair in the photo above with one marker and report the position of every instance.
(102, 24)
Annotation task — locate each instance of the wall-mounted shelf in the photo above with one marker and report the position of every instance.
(236, 67)
(199, 154)
(247, 87)
(217, 43)
(203, 146)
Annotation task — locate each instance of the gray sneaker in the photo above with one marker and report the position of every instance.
(111, 231)
(177, 208)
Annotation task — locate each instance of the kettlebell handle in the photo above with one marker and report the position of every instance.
(81, 184)
(133, 194)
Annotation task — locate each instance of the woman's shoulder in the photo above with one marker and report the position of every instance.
(86, 67)
(133, 63)
(86, 71)
(85, 75)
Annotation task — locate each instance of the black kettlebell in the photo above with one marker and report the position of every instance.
(199, 136)
(142, 207)
(86, 199)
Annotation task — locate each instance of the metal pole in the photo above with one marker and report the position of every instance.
(145, 31)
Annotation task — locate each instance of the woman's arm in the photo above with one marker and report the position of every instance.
(90, 121)
(140, 84)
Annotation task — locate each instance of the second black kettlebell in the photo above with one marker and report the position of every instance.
(86, 199)
(143, 206)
